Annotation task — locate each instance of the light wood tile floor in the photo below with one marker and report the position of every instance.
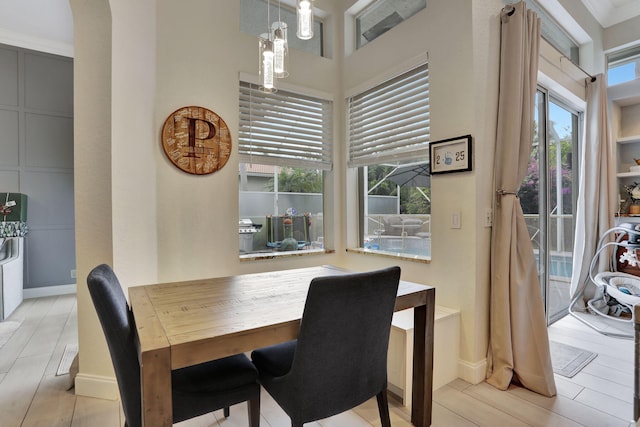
(32, 395)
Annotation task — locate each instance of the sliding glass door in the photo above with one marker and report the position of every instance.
(548, 196)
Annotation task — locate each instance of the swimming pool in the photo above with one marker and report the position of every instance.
(410, 245)
(560, 264)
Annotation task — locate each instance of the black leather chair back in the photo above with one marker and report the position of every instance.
(119, 329)
(340, 359)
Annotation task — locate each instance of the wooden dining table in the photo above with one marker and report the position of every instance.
(182, 324)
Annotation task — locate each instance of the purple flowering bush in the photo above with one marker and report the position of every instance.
(529, 191)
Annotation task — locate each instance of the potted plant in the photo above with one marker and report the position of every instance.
(634, 198)
(288, 243)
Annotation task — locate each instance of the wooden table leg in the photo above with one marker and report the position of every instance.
(421, 400)
(155, 381)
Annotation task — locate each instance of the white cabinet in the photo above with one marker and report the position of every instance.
(11, 266)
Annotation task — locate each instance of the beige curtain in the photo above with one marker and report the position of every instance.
(518, 341)
(597, 195)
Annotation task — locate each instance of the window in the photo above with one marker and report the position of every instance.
(284, 147)
(554, 33)
(383, 15)
(253, 20)
(389, 142)
(548, 196)
(623, 66)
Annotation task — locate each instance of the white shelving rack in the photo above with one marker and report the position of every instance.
(625, 120)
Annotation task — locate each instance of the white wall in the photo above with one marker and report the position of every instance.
(134, 141)
(114, 177)
(486, 54)
(92, 182)
(200, 55)
(622, 35)
(586, 31)
(463, 93)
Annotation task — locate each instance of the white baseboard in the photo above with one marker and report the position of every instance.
(47, 291)
(97, 386)
(473, 373)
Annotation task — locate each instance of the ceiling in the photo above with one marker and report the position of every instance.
(48, 24)
(611, 12)
(45, 25)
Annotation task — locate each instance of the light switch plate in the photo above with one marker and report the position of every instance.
(456, 221)
(488, 217)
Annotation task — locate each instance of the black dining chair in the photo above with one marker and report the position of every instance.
(340, 357)
(196, 390)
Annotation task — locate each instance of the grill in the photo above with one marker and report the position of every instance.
(246, 226)
(246, 230)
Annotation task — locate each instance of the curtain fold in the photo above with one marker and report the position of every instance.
(597, 188)
(518, 341)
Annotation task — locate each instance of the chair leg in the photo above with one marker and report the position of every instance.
(254, 412)
(383, 408)
(226, 412)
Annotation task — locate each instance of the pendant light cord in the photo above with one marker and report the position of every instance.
(269, 18)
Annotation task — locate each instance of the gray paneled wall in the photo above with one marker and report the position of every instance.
(36, 157)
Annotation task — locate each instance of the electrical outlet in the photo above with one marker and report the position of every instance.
(488, 217)
(73, 274)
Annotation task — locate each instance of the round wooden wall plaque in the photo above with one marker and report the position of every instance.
(196, 140)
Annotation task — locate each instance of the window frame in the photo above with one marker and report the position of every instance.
(405, 153)
(324, 165)
(620, 58)
(554, 33)
(373, 4)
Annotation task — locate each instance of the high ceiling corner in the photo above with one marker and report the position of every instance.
(611, 12)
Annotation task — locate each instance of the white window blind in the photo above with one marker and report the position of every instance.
(390, 122)
(284, 129)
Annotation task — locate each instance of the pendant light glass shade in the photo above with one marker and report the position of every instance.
(266, 63)
(280, 49)
(305, 19)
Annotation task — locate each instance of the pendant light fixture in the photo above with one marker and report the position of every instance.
(274, 47)
(266, 63)
(266, 56)
(304, 11)
(280, 47)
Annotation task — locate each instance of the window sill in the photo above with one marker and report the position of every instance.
(397, 255)
(275, 255)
